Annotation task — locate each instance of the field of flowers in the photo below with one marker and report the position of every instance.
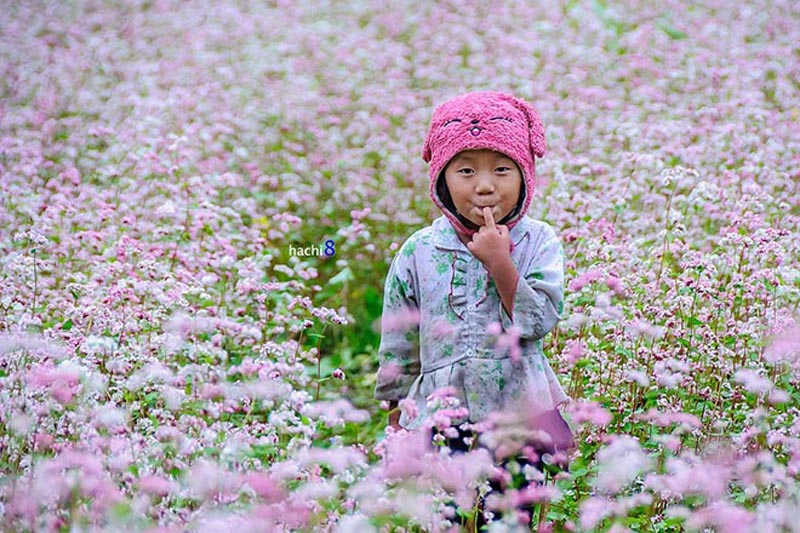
(167, 364)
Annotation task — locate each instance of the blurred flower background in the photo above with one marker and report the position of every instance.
(166, 364)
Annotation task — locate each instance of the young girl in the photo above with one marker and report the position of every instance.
(481, 272)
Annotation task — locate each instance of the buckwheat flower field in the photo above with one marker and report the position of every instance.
(170, 360)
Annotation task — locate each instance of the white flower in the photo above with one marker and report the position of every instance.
(639, 377)
(284, 270)
(20, 423)
(752, 381)
(167, 208)
(95, 344)
(209, 279)
(173, 398)
(110, 417)
(619, 463)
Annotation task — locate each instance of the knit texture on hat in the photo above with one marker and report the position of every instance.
(484, 120)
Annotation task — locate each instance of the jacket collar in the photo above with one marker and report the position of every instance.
(445, 237)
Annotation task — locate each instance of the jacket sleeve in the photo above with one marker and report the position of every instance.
(399, 347)
(538, 302)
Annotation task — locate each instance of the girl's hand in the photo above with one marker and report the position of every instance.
(491, 243)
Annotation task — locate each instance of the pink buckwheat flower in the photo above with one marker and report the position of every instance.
(615, 284)
(589, 412)
(409, 408)
(154, 485)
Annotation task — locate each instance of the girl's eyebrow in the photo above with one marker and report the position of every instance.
(463, 160)
(498, 157)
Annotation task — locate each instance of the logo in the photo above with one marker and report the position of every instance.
(326, 249)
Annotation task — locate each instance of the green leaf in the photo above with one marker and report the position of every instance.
(373, 302)
(121, 510)
(694, 322)
(673, 33)
(66, 326)
(345, 275)
(619, 350)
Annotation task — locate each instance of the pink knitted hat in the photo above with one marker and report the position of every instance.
(484, 119)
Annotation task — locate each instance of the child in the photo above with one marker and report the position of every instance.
(480, 272)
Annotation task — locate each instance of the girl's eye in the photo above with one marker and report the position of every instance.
(466, 170)
(502, 170)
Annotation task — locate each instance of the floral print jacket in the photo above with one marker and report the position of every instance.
(441, 314)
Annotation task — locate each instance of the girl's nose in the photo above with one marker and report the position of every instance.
(485, 183)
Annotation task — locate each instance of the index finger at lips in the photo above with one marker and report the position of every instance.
(488, 218)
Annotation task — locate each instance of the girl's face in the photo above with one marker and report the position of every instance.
(477, 178)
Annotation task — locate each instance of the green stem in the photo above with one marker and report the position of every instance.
(319, 360)
(666, 233)
(35, 283)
